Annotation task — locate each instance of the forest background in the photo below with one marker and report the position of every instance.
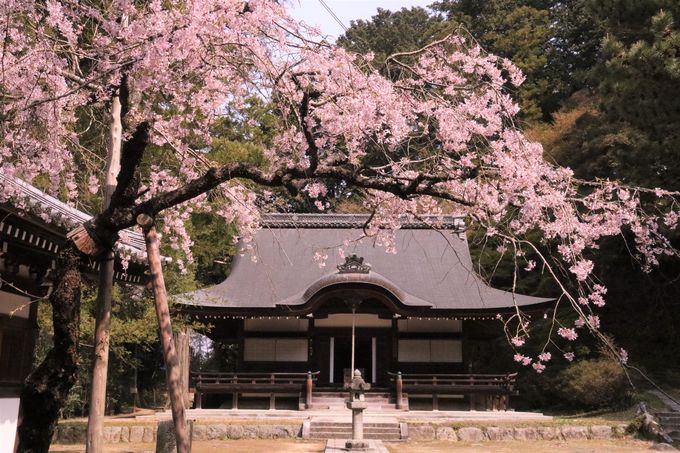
(601, 95)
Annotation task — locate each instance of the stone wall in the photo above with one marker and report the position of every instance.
(435, 431)
(146, 433)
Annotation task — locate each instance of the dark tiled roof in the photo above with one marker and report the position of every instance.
(432, 267)
(28, 200)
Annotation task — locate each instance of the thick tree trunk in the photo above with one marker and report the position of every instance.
(182, 345)
(46, 388)
(95, 422)
(173, 374)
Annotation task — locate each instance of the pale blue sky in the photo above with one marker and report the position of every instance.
(312, 13)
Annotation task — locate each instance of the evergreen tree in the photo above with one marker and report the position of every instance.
(389, 32)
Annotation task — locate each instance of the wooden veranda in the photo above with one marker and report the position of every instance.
(483, 391)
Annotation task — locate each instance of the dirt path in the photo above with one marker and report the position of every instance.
(573, 446)
(215, 446)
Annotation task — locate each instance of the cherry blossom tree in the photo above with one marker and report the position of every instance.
(430, 132)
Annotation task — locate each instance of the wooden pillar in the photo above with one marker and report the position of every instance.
(473, 395)
(311, 356)
(395, 343)
(399, 384)
(240, 339)
(354, 310)
(435, 395)
(173, 375)
(272, 396)
(308, 393)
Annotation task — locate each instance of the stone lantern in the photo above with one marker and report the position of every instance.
(357, 404)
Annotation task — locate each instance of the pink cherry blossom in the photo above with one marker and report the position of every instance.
(189, 67)
(569, 334)
(582, 269)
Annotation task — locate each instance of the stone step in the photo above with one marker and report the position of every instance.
(331, 435)
(368, 400)
(342, 405)
(346, 395)
(667, 418)
(343, 430)
(349, 424)
(669, 421)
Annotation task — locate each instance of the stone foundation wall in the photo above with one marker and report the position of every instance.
(434, 431)
(146, 433)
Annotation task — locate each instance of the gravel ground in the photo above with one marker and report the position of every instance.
(536, 446)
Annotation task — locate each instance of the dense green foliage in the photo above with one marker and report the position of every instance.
(590, 384)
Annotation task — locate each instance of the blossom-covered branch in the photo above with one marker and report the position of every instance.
(437, 135)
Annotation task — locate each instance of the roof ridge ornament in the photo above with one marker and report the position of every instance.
(354, 265)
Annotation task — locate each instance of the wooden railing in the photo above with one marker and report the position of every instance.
(495, 388)
(264, 383)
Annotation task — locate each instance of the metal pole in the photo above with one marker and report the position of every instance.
(353, 323)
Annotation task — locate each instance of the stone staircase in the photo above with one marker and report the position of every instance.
(343, 430)
(377, 401)
(670, 423)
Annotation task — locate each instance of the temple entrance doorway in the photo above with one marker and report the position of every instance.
(342, 358)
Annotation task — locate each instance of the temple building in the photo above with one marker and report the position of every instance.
(33, 228)
(413, 316)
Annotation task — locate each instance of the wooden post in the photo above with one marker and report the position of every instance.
(400, 389)
(354, 310)
(198, 400)
(435, 394)
(173, 374)
(100, 365)
(473, 395)
(272, 396)
(308, 396)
